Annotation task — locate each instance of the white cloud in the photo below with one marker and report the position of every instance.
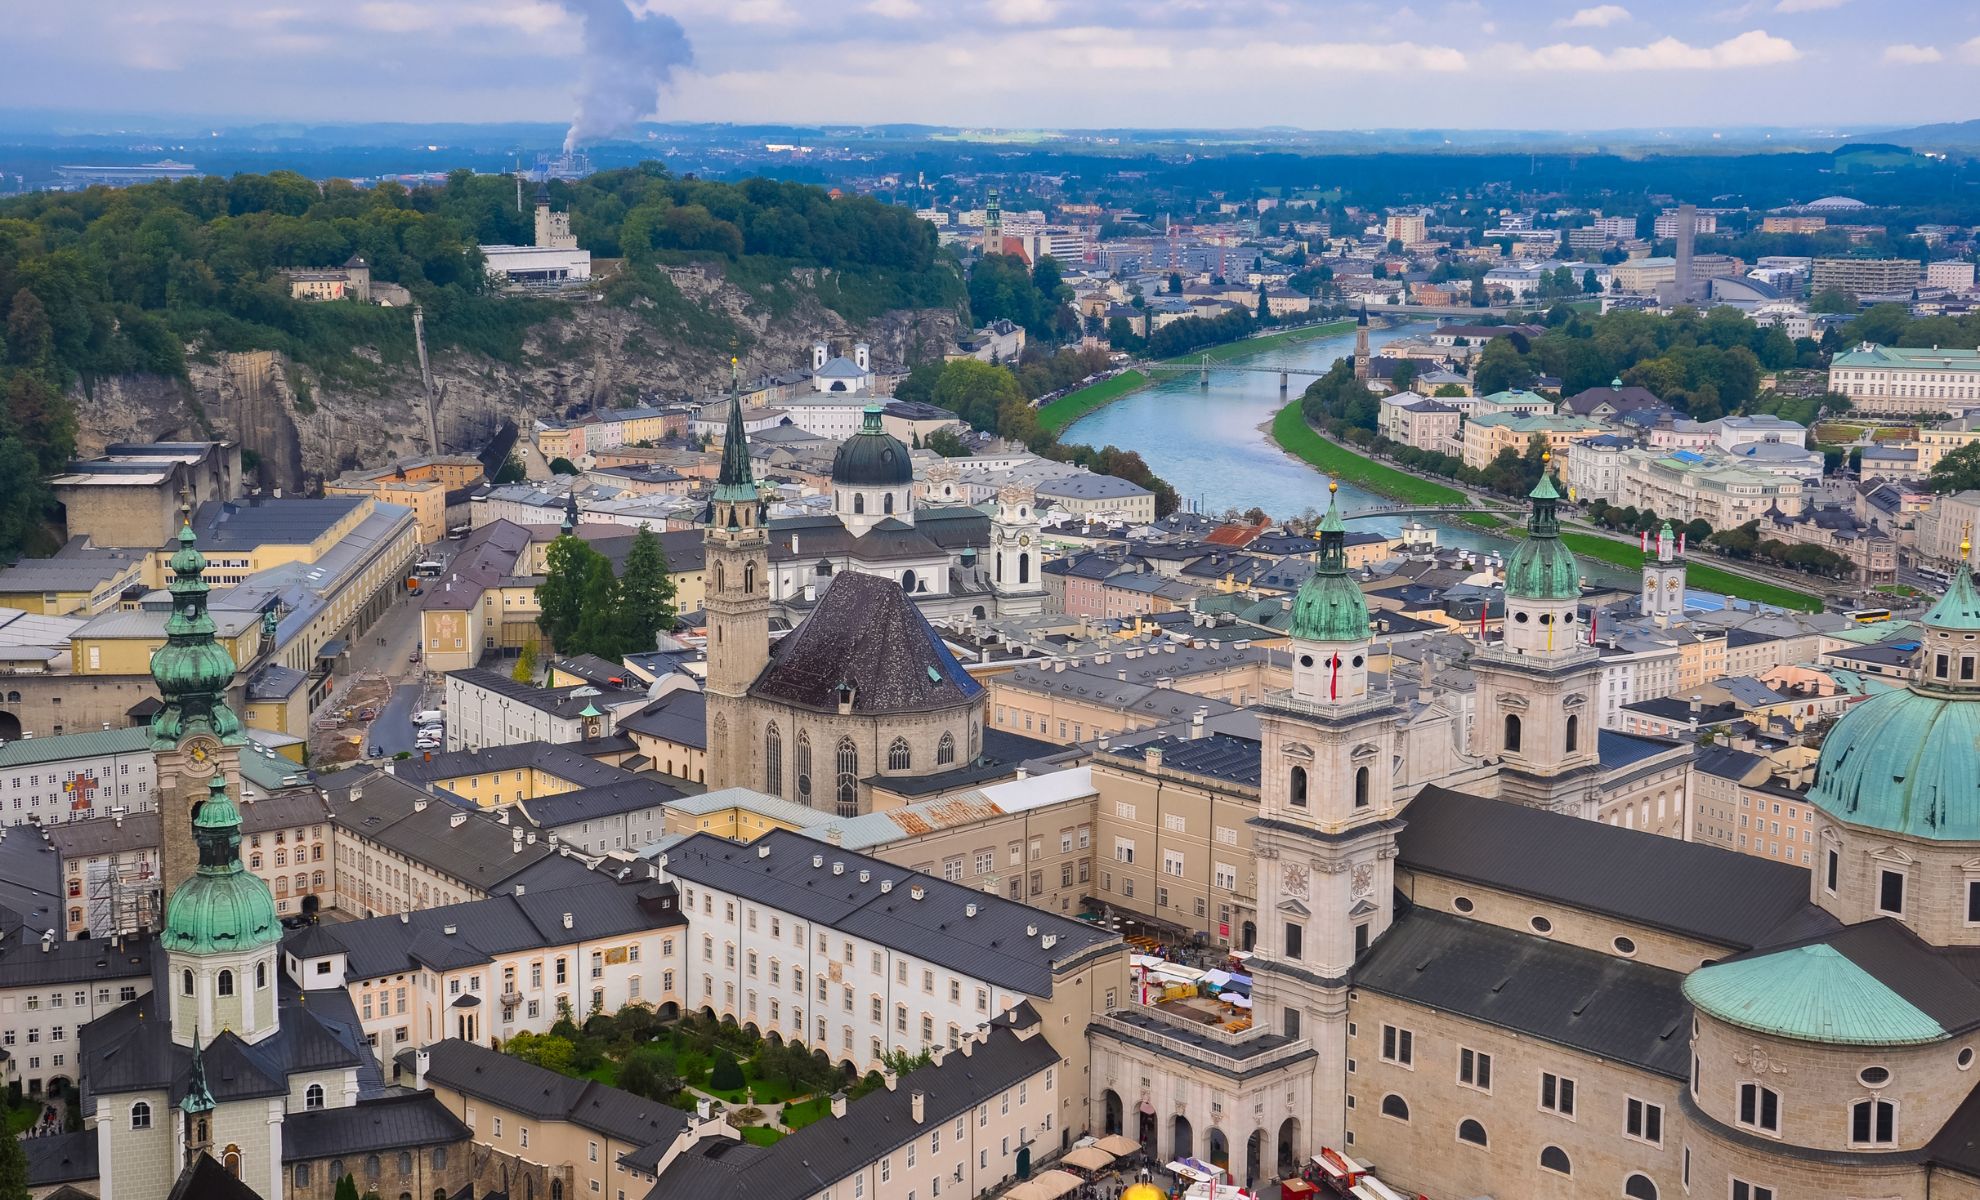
(1024, 12)
(1600, 17)
(1330, 56)
(1912, 54)
(1802, 6)
(761, 12)
(1754, 48)
(897, 10)
(1970, 50)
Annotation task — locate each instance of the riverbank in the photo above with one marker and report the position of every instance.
(1076, 404)
(1703, 576)
(1293, 435)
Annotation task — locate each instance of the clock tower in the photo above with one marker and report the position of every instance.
(737, 546)
(1016, 560)
(196, 736)
(1325, 834)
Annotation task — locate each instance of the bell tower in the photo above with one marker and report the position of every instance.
(738, 604)
(1362, 362)
(1015, 556)
(1663, 577)
(195, 736)
(1325, 834)
(1537, 688)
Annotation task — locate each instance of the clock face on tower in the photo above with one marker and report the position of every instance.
(202, 755)
(1295, 880)
(1364, 879)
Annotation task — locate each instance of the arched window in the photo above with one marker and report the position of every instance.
(260, 975)
(1395, 1106)
(254, 862)
(1471, 1131)
(313, 1097)
(749, 578)
(1024, 568)
(859, 503)
(439, 1158)
(140, 1115)
(721, 578)
(281, 885)
(1296, 793)
(302, 882)
(405, 1162)
(1512, 733)
(1872, 1122)
(847, 792)
(223, 984)
(1639, 1187)
(1760, 1107)
(1573, 733)
(1553, 1158)
(316, 879)
(899, 757)
(887, 503)
(945, 750)
(773, 759)
(1361, 787)
(302, 1175)
(373, 1168)
(186, 983)
(804, 766)
(231, 1159)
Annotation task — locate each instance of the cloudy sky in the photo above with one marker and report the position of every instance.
(1021, 63)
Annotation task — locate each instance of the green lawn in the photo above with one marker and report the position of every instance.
(1699, 575)
(1074, 405)
(804, 1112)
(1898, 589)
(1483, 520)
(762, 1135)
(1296, 437)
(18, 1120)
(765, 1091)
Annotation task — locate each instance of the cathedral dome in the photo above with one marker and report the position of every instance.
(872, 457)
(221, 908)
(1542, 567)
(1329, 607)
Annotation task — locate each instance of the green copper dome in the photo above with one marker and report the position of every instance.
(1329, 607)
(222, 908)
(1957, 611)
(1542, 567)
(872, 457)
(1812, 993)
(193, 671)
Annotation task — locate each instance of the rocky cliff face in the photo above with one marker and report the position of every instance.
(305, 430)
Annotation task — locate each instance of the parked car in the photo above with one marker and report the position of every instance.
(427, 743)
(433, 731)
(428, 716)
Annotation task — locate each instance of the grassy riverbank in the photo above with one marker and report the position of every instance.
(1074, 405)
(1297, 438)
(1702, 576)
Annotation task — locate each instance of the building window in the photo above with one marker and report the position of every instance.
(945, 750)
(1296, 796)
(899, 757)
(1742, 1190)
(1644, 1121)
(1639, 1187)
(223, 984)
(313, 1096)
(1511, 742)
(1553, 1158)
(1759, 1108)
(1557, 1094)
(1294, 936)
(1831, 862)
(1475, 1069)
(847, 792)
(1890, 892)
(1872, 1122)
(1361, 787)
(1471, 1131)
(1395, 1106)
(773, 759)
(1573, 733)
(1398, 1046)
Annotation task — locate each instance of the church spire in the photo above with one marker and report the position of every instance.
(192, 670)
(199, 1097)
(736, 482)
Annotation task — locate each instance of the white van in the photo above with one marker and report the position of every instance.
(428, 717)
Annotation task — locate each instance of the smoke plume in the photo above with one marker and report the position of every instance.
(628, 58)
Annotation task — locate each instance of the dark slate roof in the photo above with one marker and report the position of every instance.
(586, 804)
(1217, 755)
(992, 945)
(1718, 896)
(63, 1158)
(396, 1122)
(562, 759)
(1957, 1145)
(1599, 1003)
(1726, 762)
(480, 852)
(821, 1154)
(867, 633)
(31, 877)
(1616, 749)
(680, 716)
(593, 669)
(23, 962)
(558, 702)
(205, 1179)
(484, 929)
(1003, 752)
(537, 1092)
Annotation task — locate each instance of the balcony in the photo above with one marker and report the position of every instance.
(1243, 1051)
(1285, 701)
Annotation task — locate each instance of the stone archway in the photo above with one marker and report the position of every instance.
(1220, 1148)
(1254, 1156)
(1289, 1153)
(10, 727)
(1110, 1121)
(1182, 1142)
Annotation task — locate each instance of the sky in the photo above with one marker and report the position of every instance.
(1011, 64)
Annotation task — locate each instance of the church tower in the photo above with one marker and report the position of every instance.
(196, 736)
(993, 225)
(1537, 688)
(221, 935)
(738, 605)
(1362, 363)
(1014, 553)
(1325, 834)
(1663, 578)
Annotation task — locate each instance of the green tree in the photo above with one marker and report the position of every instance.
(646, 593)
(1405, 375)
(1832, 300)
(525, 671)
(648, 1071)
(1958, 471)
(560, 598)
(1175, 283)
(1589, 284)
(511, 470)
(1450, 391)
(546, 1050)
(945, 443)
(600, 625)
(14, 1166)
(977, 392)
(1501, 367)
(347, 1188)
(563, 466)
(727, 1074)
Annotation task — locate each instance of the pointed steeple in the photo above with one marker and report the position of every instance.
(1362, 319)
(1542, 567)
(192, 670)
(736, 482)
(570, 523)
(1958, 611)
(199, 1097)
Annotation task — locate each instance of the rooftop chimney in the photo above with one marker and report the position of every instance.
(456, 820)
(763, 850)
(567, 920)
(838, 1104)
(917, 1105)
(917, 892)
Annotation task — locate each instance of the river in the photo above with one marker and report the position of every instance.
(1207, 443)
